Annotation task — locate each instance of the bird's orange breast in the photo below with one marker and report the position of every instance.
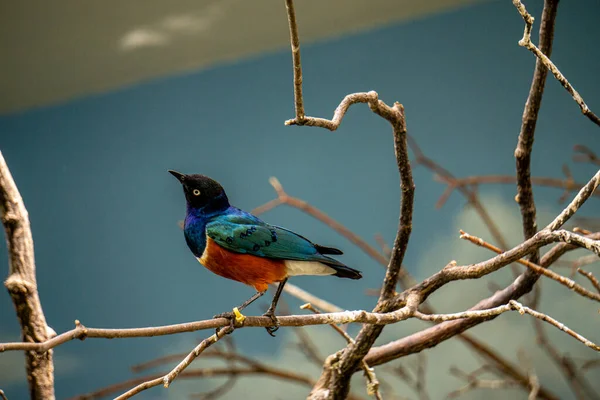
(251, 270)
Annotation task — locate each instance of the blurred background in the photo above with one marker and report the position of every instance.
(99, 99)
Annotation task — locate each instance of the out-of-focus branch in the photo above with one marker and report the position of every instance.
(577, 382)
(199, 373)
(585, 154)
(568, 184)
(414, 379)
(284, 198)
(526, 42)
(470, 195)
(22, 285)
(474, 382)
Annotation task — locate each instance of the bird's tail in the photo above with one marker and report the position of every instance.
(343, 271)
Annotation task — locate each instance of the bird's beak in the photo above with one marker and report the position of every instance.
(180, 177)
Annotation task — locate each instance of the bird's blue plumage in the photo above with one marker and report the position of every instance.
(239, 231)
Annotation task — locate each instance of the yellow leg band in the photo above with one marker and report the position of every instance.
(239, 317)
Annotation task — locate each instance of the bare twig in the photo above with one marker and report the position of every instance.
(526, 310)
(168, 378)
(526, 42)
(199, 373)
(512, 305)
(295, 44)
(536, 268)
(22, 285)
(2, 395)
(591, 278)
(577, 201)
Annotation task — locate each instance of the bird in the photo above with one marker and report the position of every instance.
(237, 245)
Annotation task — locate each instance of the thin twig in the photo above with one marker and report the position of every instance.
(591, 278)
(512, 305)
(295, 44)
(168, 378)
(571, 284)
(526, 42)
(526, 310)
(577, 202)
(568, 185)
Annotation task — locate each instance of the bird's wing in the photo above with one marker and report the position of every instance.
(252, 236)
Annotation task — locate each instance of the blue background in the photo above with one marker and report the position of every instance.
(104, 210)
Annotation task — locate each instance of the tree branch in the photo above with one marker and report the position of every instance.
(530, 115)
(22, 285)
(432, 336)
(526, 42)
(571, 284)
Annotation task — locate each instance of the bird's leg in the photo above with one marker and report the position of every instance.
(235, 315)
(271, 311)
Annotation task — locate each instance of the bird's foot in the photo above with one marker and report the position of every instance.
(235, 317)
(271, 329)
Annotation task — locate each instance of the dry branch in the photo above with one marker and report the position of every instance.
(571, 284)
(432, 336)
(372, 382)
(526, 42)
(22, 286)
(530, 115)
(405, 280)
(344, 317)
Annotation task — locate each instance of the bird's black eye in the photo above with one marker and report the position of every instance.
(196, 192)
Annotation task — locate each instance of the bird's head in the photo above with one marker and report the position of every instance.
(202, 192)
